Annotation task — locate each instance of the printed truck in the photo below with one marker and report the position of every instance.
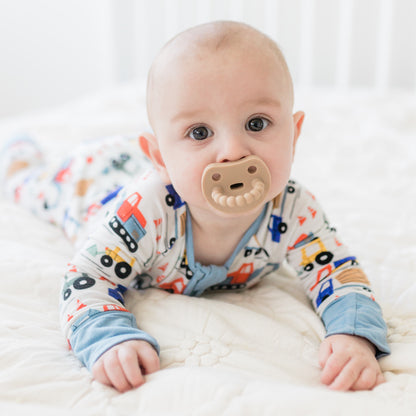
(317, 253)
(176, 286)
(78, 283)
(122, 269)
(129, 222)
(277, 227)
(326, 290)
(242, 274)
(172, 199)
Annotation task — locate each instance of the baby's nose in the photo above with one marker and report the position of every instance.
(232, 149)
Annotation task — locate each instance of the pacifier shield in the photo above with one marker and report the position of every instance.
(236, 187)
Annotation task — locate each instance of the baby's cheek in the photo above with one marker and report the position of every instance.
(280, 175)
(186, 183)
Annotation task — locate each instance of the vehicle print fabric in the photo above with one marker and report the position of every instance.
(140, 235)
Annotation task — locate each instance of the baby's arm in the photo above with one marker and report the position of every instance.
(101, 331)
(124, 365)
(341, 294)
(348, 362)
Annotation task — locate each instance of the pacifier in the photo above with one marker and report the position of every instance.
(236, 187)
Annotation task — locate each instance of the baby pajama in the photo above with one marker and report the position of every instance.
(69, 192)
(141, 236)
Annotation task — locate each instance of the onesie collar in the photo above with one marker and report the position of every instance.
(206, 276)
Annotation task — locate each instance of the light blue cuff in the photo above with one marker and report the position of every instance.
(96, 332)
(356, 314)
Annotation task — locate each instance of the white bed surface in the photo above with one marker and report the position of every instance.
(250, 353)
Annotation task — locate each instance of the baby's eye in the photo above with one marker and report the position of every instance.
(200, 133)
(257, 124)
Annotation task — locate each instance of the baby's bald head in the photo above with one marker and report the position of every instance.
(212, 38)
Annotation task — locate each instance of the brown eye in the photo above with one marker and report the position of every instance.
(257, 124)
(200, 133)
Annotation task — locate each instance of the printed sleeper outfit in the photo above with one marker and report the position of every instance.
(142, 237)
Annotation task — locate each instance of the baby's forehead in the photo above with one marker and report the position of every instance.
(215, 40)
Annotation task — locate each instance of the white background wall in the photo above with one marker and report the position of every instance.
(52, 51)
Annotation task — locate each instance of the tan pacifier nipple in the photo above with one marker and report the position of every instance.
(234, 187)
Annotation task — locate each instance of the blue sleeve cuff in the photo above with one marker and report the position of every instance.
(356, 314)
(96, 332)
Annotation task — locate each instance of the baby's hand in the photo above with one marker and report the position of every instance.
(348, 363)
(124, 365)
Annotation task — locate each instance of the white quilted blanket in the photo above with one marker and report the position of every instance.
(251, 353)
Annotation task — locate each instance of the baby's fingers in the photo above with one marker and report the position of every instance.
(115, 372)
(129, 362)
(149, 360)
(333, 367)
(368, 379)
(99, 373)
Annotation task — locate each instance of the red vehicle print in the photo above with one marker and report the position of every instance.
(176, 286)
(236, 280)
(129, 222)
(242, 274)
(113, 307)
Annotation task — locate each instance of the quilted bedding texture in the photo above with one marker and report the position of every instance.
(250, 353)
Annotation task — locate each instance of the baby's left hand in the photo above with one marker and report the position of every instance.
(348, 363)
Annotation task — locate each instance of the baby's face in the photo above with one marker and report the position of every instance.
(221, 107)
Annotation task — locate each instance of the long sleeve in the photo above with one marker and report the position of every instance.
(121, 248)
(331, 275)
(93, 313)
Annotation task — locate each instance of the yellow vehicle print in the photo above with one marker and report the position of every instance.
(185, 267)
(122, 268)
(315, 252)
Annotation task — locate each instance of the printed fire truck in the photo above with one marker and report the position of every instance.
(242, 274)
(129, 222)
(177, 286)
(122, 269)
(236, 280)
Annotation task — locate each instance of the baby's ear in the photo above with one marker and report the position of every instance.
(297, 123)
(149, 146)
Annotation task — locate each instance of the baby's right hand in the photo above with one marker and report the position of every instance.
(124, 365)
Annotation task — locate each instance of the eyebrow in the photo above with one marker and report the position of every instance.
(266, 101)
(185, 115)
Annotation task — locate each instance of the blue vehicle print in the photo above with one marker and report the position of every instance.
(277, 227)
(172, 198)
(326, 290)
(276, 224)
(117, 293)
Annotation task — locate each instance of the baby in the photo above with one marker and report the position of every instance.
(216, 211)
